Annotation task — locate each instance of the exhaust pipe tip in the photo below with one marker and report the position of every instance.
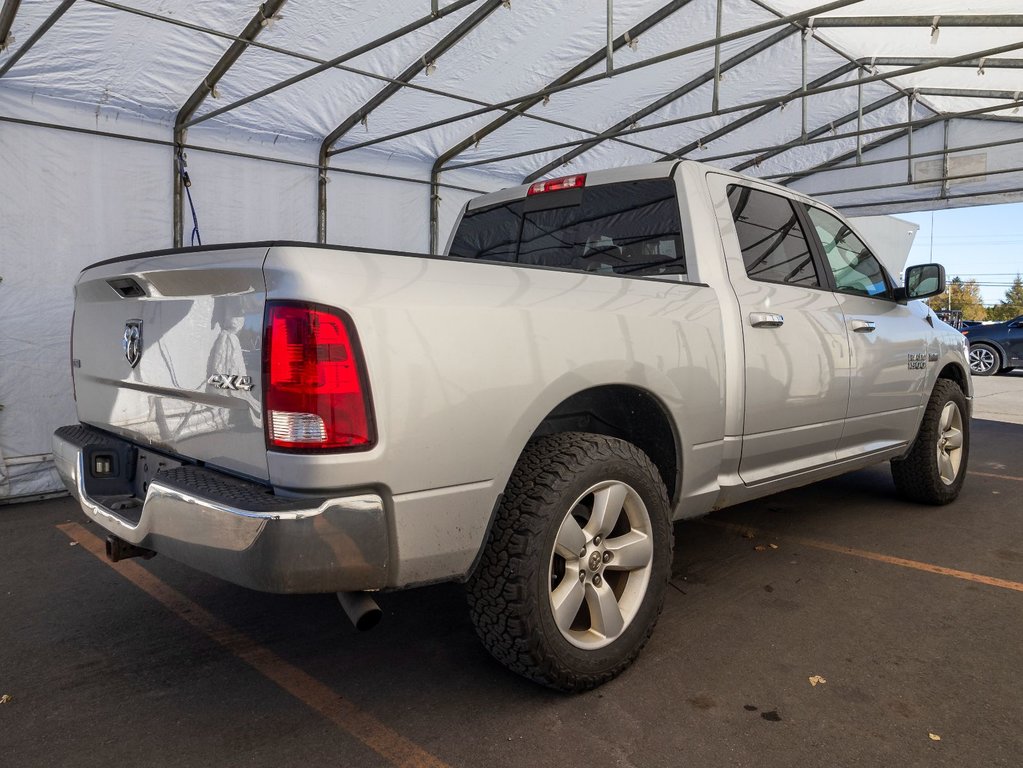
(362, 610)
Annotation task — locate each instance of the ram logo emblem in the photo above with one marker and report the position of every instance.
(132, 342)
(230, 381)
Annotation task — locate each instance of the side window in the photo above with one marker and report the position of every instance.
(855, 268)
(773, 244)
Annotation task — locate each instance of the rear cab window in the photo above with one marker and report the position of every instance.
(627, 228)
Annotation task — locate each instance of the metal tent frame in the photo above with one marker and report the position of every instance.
(809, 23)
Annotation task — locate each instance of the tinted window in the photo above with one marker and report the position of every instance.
(855, 268)
(773, 244)
(629, 228)
(489, 233)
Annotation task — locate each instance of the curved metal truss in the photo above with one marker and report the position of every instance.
(643, 128)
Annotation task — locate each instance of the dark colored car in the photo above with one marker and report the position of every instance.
(995, 348)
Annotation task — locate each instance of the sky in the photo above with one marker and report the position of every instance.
(984, 242)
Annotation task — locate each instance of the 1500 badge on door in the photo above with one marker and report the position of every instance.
(917, 362)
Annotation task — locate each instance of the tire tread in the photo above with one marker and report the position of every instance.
(504, 609)
(916, 475)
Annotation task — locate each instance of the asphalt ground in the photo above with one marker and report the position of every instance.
(911, 616)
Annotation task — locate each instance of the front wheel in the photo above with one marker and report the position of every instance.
(573, 575)
(934, 469)
(983, 360)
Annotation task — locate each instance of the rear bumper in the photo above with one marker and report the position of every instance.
(230, 528)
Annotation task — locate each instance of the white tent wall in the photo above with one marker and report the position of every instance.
(378, 213)
(66, 200)
(238, 198)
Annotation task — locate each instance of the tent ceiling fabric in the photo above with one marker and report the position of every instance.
(145, 57)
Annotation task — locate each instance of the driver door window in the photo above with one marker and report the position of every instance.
(855, 268)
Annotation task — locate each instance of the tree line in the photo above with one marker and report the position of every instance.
(964, 295)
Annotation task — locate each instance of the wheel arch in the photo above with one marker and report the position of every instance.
(955, 372)
(627, 412)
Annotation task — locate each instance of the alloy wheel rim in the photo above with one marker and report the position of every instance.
(981, 359)
(950, 443)
(601, 564)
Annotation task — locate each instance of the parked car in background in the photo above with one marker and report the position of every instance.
(995, 348)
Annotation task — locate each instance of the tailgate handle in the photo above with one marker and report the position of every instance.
(863, 326)
(766, 320)
(126, 287)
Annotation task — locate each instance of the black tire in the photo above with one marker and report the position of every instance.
(918, 476)
(985, 360)
(510, 592)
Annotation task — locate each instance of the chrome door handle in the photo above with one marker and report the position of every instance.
(766, 320)
(863, 326)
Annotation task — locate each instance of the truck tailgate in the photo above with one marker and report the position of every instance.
(166, 352)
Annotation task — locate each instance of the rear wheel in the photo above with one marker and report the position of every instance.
(984, 360)
(573, 575)
(935, 468)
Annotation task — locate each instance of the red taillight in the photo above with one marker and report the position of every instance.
(316, 395)
(553, 185)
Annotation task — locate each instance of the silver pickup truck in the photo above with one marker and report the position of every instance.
(595, 357)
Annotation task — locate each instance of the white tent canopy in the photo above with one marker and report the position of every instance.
(370, 123)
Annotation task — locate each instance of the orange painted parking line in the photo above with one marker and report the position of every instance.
(387, 743)
(990, 581)
(997, 477)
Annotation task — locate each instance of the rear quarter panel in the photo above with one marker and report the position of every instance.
(465, 360)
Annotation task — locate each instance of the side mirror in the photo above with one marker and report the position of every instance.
(922, 282)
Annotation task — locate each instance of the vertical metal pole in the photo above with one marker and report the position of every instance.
(909, 139)
(610, 38)
(944, 166)
(267, 10)
(859, 121)
(321, 197)
(435, 212)
(717, 61)
(434, 7)
(179, 190)
(802, 101)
